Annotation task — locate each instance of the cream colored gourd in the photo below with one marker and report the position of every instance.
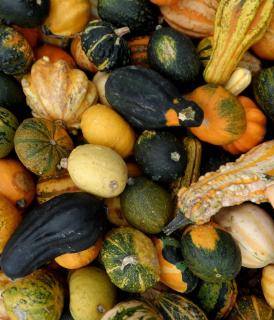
(54, 91)
(253, 229)
(267, 283)
(98, 170)
(104, 126)
(239, 81)
(100, 80)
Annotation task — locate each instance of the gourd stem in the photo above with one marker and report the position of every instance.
(64, 163)
(128, 260)
(178, 222)
(122, 31)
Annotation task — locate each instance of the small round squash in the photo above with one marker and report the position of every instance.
(80, 259)
(267, 283)
(104, 126)
(91, 293)
(10, 218)
(98, 170)
(16, 183)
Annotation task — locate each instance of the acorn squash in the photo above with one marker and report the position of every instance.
(157, 104)
(146, 205)
(37, 296)
(8, 126)
(130, 260)
(40, 145)
(65, 224)
(211, 253)
(16, 55)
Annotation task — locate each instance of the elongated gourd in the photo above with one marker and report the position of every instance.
(238, 25)
(246, 179)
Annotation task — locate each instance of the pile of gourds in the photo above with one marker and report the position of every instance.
(136, 159)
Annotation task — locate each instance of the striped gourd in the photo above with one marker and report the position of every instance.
(8, 126)
(40, 145)
(130, 260)
(176, 307)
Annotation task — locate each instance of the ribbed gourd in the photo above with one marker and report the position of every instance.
(238, 25)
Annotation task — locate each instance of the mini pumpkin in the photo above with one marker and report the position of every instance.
(255, 128)
(105, 46)
(54, 91)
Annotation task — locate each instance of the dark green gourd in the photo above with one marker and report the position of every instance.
(104, 45)
(68, 223)
(148, 100)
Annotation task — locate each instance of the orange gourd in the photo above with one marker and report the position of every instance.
(10, 218)
(255, 128)
(80, 57)
(224, 117)
(16, 183)
(32, 35)
(194, 18)
(80, 259)
(138, 50)
(264, 48)
(54, 53)
(164, 2)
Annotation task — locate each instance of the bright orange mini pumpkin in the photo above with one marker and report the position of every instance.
(80, 259)
(54, 53)
(16, 183)
(224, 116)
(255, 128)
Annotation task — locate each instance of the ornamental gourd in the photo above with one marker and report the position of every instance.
(267, 283)
(54, 91)
(255, 128)
(253, 229)
(246, 179)
(238, 24)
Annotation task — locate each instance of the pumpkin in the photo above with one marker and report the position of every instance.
(140, 16)
(267, 283)
(130, 260)
(96, 123)
(54, 91)
(67, 17)
(37, 296)
(104, 45)
(217, 299)
(237, 26)
(68, 223)
(98, 170)
(253, 229)
(10, 218)
(54, 53)
(40, 145)
(264, 48)
(91, 293)
(255, 128)
(32, 35)
(173, 271)
(251, 307)
(246, 179)
(211, 253)
(100, 80)
(80, 259)
(8, 126)
(240, 79)
(146, 205)
(24, 13)
(50, 187)
(138, 50)
(4, 280)
(131, 310)
(176, 307)
(193, 19)
(80, 57)
(224, 117)
(16, 55)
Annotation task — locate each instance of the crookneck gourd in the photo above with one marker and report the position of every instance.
(246, 179)
(238, 25)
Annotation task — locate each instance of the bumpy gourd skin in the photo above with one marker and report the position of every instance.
(68, 223)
